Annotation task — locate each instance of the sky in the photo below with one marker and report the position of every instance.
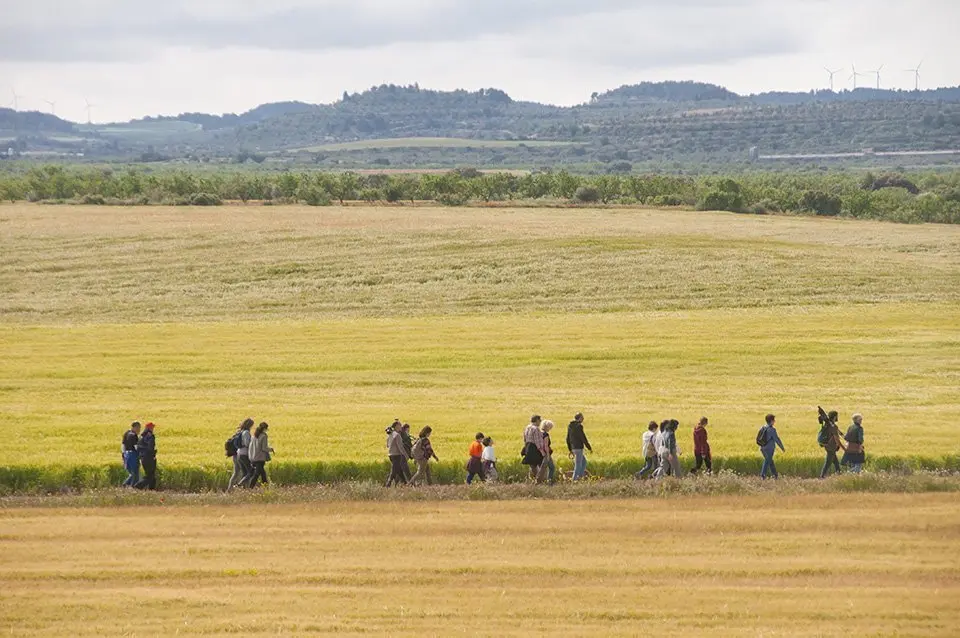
(130, 58)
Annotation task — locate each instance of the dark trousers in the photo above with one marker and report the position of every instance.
(398, 470)
(830, 460)
(149, 480)
(703, 459)
(259, 473)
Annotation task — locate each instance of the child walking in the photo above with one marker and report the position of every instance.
(475, 463)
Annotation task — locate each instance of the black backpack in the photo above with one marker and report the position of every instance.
(762, 436)
(233, 444)
(824, 436)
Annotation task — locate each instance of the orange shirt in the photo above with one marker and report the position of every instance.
(476, 449)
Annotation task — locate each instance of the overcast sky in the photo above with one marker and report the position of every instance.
(142, 57)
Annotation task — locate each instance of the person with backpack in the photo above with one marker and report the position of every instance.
(475, 461)
(489, 459)
(854, 456)
(260, 454)
(422, 452)
(701, 447)
(397, 453)
(829, 439)
(664, 467)
(576, 442)
(239, 444)
(147, 451)
(767, 441)
(131, 458)
(533, 449)
(648, 450)
(408, 446)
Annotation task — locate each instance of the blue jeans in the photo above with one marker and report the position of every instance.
(131, 463)
(768, 467)
(649, 466)
(551, 470)
(579, 464)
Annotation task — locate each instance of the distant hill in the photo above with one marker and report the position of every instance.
(33, 122)
(215, 122)
(667, 92)
(651, 124)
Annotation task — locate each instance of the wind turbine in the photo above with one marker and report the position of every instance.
(916, 76)
(832, 73)
(53, 106)
(16, 99)
(89, 109)
(854, 76)
(877, 73)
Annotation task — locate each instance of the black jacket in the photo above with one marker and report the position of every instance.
(147, 446)
(576, 437)
(130, 440)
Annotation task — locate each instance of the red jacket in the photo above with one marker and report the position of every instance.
(700, 445)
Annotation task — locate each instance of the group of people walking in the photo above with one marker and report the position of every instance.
(140, 451)
(250, 451)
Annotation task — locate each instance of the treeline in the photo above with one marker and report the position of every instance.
(909, 198)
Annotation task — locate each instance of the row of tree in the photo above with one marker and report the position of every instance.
(920, 197)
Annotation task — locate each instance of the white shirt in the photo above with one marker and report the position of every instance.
(658, 442)
(648, 448)
(489, 454)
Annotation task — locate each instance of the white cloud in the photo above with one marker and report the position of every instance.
(220, 56)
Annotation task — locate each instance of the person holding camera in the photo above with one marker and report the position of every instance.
(397, 452)
(829, 440)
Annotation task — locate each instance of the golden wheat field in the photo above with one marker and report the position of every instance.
(330, 322)
(826, 565)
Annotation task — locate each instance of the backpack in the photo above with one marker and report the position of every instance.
(418, 453)
(762, 436)
(823, 438)
(234, 443)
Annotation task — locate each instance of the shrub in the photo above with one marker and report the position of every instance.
(587, 195)
(721, 200)
(821, 203)
(452, 199)
(92, 200)
(667, 200)
(204, 199)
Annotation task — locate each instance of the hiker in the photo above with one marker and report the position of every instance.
(701, 447)
(854, 456)
(649, 451)
(768, 440)
(489, 459)
(549, 467)
(475, 462)
(422, 452)
(240, 441)
(408, 446)
(533, 450)
(147, 451)
(398, 456)
(661, 440)
(131, 458)
(829, 439)
(674, 446)
(576, 442)
(259, 452)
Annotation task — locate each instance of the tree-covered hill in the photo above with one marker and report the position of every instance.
(647, 124)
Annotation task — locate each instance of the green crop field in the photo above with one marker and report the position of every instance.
(329, 322)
